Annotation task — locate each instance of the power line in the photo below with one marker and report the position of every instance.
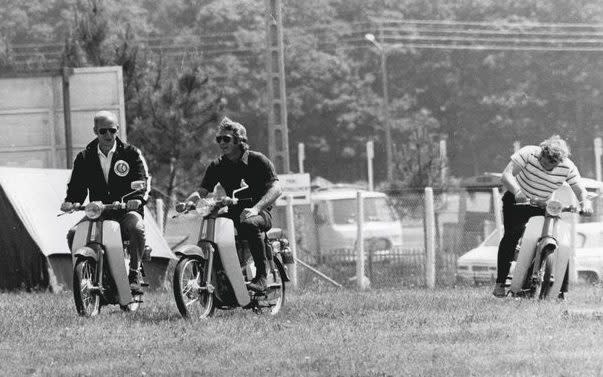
(489, 32)
(419, 34)
(484, 47)
(490, 23)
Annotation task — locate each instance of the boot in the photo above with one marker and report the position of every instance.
(258, 284)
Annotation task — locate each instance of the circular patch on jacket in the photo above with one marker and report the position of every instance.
(121, 168)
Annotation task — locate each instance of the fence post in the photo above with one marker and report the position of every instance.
(159, 214)
(361, 280)
(429, 239)
(573, 273)
(497, 210)
(291, 237)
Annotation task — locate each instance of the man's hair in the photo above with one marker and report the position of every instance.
(238, 131)
(106, 116)
(555, 148)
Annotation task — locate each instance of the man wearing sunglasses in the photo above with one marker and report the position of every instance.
(103, 172)
(533, 173)
(238, 163)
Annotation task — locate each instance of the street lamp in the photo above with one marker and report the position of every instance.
(388, 134)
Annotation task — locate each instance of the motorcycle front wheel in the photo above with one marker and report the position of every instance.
(87, 302)
(192, 296)
(542, 285)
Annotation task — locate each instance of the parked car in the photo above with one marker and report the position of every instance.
(479, 264)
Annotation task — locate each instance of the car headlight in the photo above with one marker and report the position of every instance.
(554, 207)
(93, 210)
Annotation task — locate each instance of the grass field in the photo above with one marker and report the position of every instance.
(402, 332)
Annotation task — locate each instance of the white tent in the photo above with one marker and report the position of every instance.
(33, 247)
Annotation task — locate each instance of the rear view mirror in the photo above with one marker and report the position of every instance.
(138, 185)
(243, 187)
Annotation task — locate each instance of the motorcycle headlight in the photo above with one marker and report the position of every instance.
(554, 207)
(276, 246)
(93, 210)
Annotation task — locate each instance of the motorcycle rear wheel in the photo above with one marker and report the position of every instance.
(192, 300)
(274, 298)
(542, 286)
(87, 303)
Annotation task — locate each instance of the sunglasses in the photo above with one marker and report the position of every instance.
(103, 131)
(553, 160)
(225, 139)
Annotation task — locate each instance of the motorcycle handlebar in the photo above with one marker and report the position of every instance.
(566, 209)
(186, 207)
(80, 207)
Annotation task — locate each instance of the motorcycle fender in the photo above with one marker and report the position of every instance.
(191, 251)
(80, 239)
(115, 260)
(562, 255)
(526, 253)
(86, 252)
(224, 238)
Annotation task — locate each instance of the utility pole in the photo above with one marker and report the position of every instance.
(387, 124)
(278, 133)
(385, 104)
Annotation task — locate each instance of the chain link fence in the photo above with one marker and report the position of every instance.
(394, 234)
(394, 231)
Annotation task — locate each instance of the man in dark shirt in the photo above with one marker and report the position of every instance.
(251, 218)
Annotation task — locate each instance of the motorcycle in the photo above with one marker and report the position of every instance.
(101, 259)
(542, 265)
(215, 272)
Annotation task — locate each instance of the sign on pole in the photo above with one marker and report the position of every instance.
(297, 186)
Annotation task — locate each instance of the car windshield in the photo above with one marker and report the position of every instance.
(375, 209)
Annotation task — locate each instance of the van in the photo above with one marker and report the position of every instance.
(334, 214)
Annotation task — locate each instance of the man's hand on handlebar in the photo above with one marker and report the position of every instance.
(133, 204)
(587, 208)
(67, 207)
(520, 197)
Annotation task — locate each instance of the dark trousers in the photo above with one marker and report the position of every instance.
(132, 228)
(515, 218)
(252, 230)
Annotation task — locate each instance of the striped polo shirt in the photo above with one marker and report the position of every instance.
(535, 181)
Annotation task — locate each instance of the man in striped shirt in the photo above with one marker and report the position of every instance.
(533, 173)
